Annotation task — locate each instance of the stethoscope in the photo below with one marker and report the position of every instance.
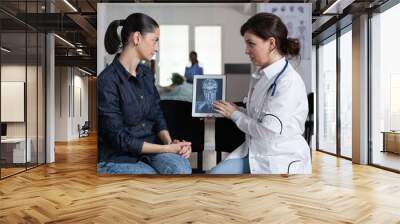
(260, 116)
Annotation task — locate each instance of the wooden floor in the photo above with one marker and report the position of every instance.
(387, 159)
(70, 191)
(5, 172)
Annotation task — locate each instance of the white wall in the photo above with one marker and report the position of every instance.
(61, 103)
(230, 16)
(17, 73)
(68, 81)
(33, 106)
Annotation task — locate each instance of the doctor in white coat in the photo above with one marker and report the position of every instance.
(277, 105)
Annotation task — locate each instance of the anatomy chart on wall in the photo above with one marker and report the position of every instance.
(297, 17)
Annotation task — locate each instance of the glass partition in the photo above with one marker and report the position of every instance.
(385, 90)
(14, 153)
(346, 93)
(22, 79)
(327, 96)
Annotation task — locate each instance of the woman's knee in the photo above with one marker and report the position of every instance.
(182, 166)
(169, 163)
(231, 166)
(219, 168)
(125, 168)
(176, 168)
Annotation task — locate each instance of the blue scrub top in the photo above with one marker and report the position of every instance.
(191, 71)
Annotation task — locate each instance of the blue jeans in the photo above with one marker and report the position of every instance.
(159, 163)
(232, 166)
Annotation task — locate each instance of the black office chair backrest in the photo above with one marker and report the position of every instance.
(227, 135)
(310, 117)
(86, 125)
(310, 99)
(309, 125)
(181, 124)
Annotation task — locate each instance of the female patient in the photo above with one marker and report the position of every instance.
(132, 137)
(276, 109)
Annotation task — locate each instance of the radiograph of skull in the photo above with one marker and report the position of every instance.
(209, 92)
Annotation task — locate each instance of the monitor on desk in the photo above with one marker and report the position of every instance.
(3, 130)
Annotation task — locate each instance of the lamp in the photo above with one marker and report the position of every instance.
(70, 5)
(5, 49)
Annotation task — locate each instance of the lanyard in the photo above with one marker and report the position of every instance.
(273, 86)
(261, 115)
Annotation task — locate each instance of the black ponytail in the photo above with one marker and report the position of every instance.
(136, 22)
(111, 39)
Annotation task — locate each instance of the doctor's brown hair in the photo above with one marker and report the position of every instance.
(266, 25)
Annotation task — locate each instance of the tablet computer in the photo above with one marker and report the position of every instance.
(206, 90)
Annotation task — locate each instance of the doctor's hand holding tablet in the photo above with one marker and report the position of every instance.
(225, 108)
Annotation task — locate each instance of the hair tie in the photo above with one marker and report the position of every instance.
(285, 41)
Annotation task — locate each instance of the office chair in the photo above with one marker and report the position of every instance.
(309, 125)
(227, 135)
(182, 126)
(84, 130)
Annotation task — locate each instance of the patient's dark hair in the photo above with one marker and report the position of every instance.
(266, 25)
(136, 22)
(177, 79)
(195, 55)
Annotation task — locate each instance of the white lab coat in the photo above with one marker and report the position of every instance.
(269, 151)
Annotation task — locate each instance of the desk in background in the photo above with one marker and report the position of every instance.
(13, 150)
(391, 141)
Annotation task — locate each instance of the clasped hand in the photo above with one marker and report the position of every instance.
(182, 148)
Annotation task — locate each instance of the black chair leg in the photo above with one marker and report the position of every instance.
(219, 156)
(200, 160)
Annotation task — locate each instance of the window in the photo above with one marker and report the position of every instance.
(327, 96)
(385, 87)
(208, 48)
(346, 94)
(394, 101)
(174, 51)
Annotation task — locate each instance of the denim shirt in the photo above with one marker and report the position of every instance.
(191, 71)
(129, 113)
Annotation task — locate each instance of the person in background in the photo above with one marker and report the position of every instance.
(277, 105)
(194, 69)
(178, 90)
(132, 134)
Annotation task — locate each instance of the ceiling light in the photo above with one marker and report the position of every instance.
(5, 50)
(65, 41)
(70, 5)
(338, 6)
(84, 71)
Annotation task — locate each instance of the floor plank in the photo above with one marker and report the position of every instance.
(70, 191)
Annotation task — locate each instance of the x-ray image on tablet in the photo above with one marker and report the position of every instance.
(206, 90)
